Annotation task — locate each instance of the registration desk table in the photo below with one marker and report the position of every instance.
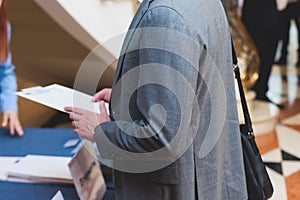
(38, 141)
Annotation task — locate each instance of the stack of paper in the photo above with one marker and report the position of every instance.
(5, 164)
(35, 168)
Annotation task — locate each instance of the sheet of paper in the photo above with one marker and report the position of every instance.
(5, 164)
(42, 169)
(71, 143)
(57, 96)
(58, 196)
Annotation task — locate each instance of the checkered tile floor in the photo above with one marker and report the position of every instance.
(283, 162)
(280, 148)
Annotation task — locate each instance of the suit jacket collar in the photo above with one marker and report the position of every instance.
(134, 24)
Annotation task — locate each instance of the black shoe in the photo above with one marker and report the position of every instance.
(266, 99)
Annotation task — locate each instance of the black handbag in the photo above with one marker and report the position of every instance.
(259, 186)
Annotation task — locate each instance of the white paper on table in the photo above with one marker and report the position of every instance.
(57, 96)
(5, 164)
(58, 196)
(42, 169)
(71, 143)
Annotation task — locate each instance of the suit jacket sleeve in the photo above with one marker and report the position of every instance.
(161, 106)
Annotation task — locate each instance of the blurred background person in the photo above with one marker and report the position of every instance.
(261, 19)
(8, 84)
(292, 12)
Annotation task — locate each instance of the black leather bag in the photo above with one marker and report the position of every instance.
(259, 185)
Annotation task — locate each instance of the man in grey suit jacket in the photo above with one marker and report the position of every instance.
(173, 132)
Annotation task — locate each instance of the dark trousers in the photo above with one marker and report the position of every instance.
(261, 20)
(292, 12)
(266, 42)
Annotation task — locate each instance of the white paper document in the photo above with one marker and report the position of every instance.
(5, 165)
(71, 143)
(41, 169)
(58, 196)
(57, 96)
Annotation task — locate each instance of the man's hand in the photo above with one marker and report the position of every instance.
(11, 118)
(85, 122)
(102, 95)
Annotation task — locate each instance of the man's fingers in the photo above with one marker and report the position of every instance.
(98, 96)
(84, 134)
(68, 108)
(102, 108)
(76, 124)
(79, 132)
(74, 116)
(74, 110)
(103, 95)
(76, 131)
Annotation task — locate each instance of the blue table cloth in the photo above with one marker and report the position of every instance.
(39, 141)
(35, 191)
(43, 191)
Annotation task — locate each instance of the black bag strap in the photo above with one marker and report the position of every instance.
(236, 70)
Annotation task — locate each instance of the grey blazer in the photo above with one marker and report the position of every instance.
(174, 132)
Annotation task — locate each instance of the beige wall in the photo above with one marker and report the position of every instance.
(43, 54)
